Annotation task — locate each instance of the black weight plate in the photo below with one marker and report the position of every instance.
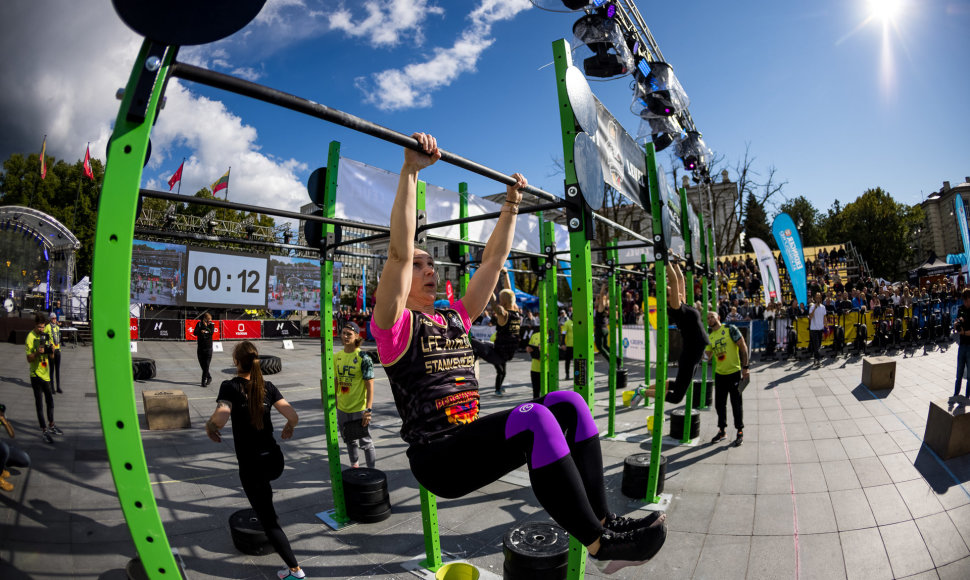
(364, 479)
(589, 171)
(365, 497)
(247, 533)
(581, 100)
(513, 572)
(639, 463)
(536, 545)
(186, 22)
(354, 509)
(370, 517)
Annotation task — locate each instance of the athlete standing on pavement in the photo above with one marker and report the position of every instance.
(355, 395)
(203, 332)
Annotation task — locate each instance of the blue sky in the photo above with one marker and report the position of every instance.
(834, 103)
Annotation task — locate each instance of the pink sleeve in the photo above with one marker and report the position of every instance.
(391, 343)
(459, 307)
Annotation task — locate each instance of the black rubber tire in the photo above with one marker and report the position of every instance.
(248, 535)
(269, 364)
(369, 513)
(363, 479)
(636, 472)
(677, 423)
(142, 369)
(512, 572)
(536, 546)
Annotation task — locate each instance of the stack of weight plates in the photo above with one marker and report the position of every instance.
(536, 551)
(636, 471)
(677, 423)
(365, 494)
(248, 535)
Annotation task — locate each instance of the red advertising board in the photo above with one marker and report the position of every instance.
(190, 327)
(133, 328)
(241, 329)
(314, 329)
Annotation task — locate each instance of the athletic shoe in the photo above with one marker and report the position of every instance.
(59, 390)
(635, 400)
(55, 429)
(721, 436)
(287, 573)
(47, 436)
(619, 550)
(5, 485)
(740, 439)
(621, 524)
(499, 394)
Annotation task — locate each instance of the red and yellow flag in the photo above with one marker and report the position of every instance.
(43, 159)
(222, 183)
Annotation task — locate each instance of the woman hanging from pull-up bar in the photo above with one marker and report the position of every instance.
(428, 359)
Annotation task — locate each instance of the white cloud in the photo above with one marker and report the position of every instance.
(386, 22)
(396, 89)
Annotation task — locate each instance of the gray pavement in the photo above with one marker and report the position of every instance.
(832, 481)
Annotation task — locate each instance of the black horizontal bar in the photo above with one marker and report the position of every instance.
(623, 229)
(359, 255)
(258, 209)
(491, 215)
(276, 97)
(221, 239)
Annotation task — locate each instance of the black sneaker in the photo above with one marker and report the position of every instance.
(619, 550)
(499, 394)
(47, 436)
(721, 436)
(615, 523)
(54, 429)
(740, 439)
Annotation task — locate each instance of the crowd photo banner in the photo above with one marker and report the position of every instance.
(790, 245)
(769, 270)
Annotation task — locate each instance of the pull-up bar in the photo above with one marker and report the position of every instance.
(492, 215)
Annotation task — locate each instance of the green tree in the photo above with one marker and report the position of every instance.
(806, 218)
(880, 228)
(756, 221)
(832, 225)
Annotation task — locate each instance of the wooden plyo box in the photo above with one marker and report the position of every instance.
(948, 434)
(166, 409)
(879, 372)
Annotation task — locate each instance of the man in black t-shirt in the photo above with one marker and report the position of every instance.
(203, 332)
(962, 326)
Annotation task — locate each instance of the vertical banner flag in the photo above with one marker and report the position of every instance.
(961, 214)
(566, 269)
(178, 177)
(221, 183)
(43, 159)
(449, 291)
(88, 172)
(360, 298)
(363, 287)
(770, 282)
(790, 244)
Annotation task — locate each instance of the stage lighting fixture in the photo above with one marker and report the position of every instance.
(602, 35)
(657, 92)
(692, 151)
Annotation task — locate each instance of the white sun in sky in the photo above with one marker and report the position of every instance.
(885, 10)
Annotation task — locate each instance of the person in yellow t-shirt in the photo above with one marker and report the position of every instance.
(567, 341)
(38, 353)
(730, 354)
(53, 330)
(355, 395)
(536, 370)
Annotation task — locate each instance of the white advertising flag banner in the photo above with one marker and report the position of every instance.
(770, 282)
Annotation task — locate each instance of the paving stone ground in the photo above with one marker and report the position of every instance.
(833, 481)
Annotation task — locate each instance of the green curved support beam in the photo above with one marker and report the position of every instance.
(109, 308)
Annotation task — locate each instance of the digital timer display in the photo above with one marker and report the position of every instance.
(220, 279)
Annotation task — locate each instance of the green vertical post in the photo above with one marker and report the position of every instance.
(429, 503)
(110, 316)
(660, 276)
(328, 379)
(550, 324)
(689, 296)
(463, 232)
(711, 254)
(577, 218)
(706, 304)
(615, 342)
(646, 322)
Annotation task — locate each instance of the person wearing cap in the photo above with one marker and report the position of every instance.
(53, 330)
(354, 372)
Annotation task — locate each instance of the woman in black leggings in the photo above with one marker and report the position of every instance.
(260, 458)
(428, 359)
(601, 322)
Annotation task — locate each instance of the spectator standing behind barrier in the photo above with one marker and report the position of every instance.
(355, 395)
(38, 353)
(535, 371)
(259, 456)
(962, 325)
(731, 355)
(203, 332)
(601, 323)
(10, 454)
(53, 330)
(429, 363)
(567, 341)
(816, 327)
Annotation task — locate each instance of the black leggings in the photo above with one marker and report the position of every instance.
(55, 369)
(694, 341)
(496, 356)
(601, 337)
(570, 488)
(43, 394)
(724, 386)
(205, 357)
(255, 482)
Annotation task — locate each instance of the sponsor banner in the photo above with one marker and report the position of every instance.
(241, 329)
(771, 283)
(190, 327)
(159, 329)
(634, 345)
(962, 224)
(314, 329)
(280, 328)
(133, 328)
(482, 332)
(790, 244)
(623, 162)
